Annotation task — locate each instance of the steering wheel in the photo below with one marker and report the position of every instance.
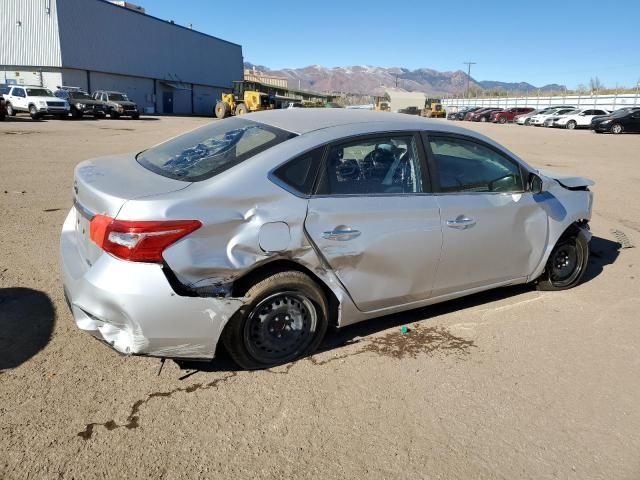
(492, 183)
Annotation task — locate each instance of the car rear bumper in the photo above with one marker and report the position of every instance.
(132, 307)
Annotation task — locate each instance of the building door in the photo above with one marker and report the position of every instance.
(167, 102)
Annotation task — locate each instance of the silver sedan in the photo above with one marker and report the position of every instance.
(261, 231)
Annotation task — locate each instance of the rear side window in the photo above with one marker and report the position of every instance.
(300, 173)
(212, 149)
(466, 166)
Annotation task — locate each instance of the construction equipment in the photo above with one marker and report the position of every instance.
(241, 101)
(433, 108)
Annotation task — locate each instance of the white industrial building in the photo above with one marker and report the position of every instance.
(99, 45)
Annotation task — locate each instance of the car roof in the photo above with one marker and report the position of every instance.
(305, 120)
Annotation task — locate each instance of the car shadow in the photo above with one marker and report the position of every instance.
(27, 318)
(603, 252)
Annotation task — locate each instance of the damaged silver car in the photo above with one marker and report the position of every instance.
(261, 231)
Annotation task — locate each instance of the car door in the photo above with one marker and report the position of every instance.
(18, 99)
(374, 221)
(494, 232)
(633, 122)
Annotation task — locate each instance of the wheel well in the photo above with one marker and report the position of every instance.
(244, 283)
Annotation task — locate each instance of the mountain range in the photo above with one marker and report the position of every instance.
(370, 80)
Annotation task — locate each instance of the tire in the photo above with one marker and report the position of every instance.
(136, 116)
(254, 334)
(75, 113)
(114, 116)
(502, 120)
(61, 117)
(33, 112)
(527, 122)
(616, 128)
(567, 263)
(241, 109)
(221, 110)
(10, 111)
(483, 119)
(571, 125)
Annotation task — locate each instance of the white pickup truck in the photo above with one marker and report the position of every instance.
(37, 101)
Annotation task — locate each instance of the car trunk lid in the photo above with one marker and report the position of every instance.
(102, 186)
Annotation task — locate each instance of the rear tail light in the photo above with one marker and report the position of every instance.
(138, 241)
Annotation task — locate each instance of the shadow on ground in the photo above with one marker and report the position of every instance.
(26, 322)
(604, 252)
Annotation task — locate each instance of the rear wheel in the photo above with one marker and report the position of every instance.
(222, 109)
(241, 109)
(10, 111)
(285, 317)
(616, 128)
(567, 262)
(571, 124)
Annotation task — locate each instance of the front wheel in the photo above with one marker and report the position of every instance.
(33, 112)
(483, 119)
(527, 122)
(502, 120)
(567, 263)
(616, 128)
(285, 318)
(114, 115)
(136, 116)
(241, 109)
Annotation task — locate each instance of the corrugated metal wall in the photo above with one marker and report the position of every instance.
(28, 34)
(99, 36)
(610, 102)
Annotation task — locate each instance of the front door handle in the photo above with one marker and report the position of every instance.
(461, 222)
(341, 233)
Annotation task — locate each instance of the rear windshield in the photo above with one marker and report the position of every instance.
(212, 149)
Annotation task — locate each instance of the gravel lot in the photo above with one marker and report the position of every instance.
(508, 384)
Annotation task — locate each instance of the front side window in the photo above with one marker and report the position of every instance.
(18, 92)
(387, 165)
(467, 166)
(212, 149)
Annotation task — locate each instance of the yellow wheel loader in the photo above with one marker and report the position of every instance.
(241, 101)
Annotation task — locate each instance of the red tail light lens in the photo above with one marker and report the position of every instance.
(138, 241)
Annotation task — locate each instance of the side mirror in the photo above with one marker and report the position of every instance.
(535, 184)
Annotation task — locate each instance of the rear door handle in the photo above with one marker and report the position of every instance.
(341, 234)
(461, 222)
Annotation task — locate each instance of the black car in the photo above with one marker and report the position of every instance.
(81, 103)
(3, 103)
(454, 115)
(485, 116)
(623, 120)
(461, 114)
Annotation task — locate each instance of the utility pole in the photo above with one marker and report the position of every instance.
(468, 64)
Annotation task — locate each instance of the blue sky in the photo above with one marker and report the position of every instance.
(563, 41)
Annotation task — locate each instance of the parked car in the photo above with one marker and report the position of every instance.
(579, 118)
(118, 104)
(37, 101)
(483, 115)
(469, 115)
(526, 118)
(462, 113)
(539, 119)
(3, 103)
(81, 103)
(263, 230)
(623, 120)
(507, 115)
